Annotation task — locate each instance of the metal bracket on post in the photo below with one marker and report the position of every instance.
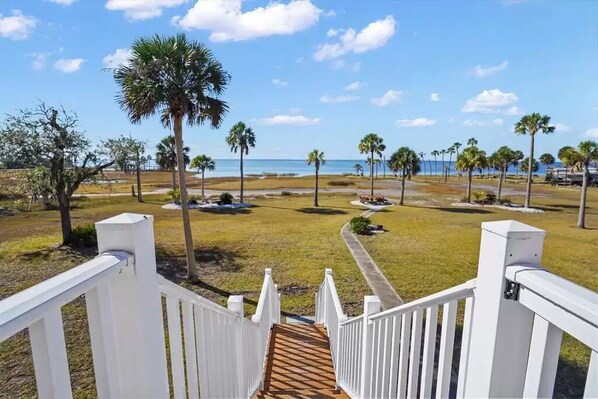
(511, 290)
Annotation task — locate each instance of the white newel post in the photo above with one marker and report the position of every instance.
(136, 306)
(235, 304)
(501, 328)
(371, 306)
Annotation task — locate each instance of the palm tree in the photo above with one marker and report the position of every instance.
(421, 156)
(240, 139)
(451, 150)
(317, 158)
(546, 159)
(472, 142)
(406, 162)
(503, 158)
(457, 145)
(470, 159)
(166, 156)
(581, 157)
(565, 159)
(532, 124)
(434, 153)
(358, 169)
(443, 152)
(374, 145)
(181, 81)
(202, 163)
(516, 159)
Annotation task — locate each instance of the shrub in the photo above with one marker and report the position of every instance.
(505, 202)
(286, 193)
(360, 225)
(226, 198)
(479, 197)
(341, 183)
(175, 196)
(464, 200)
(85, 236)
(490, 197)
(192, 201)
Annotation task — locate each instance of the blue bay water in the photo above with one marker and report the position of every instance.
(230, 167)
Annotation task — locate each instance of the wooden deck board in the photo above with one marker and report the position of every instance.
(299, 364)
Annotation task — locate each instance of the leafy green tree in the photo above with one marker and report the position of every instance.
(580, 159)
(166, 157)
(470, 159)
(126, 152)
(456, 146)
(525, 165)
(502, 159)
(472, 142)
(405, 162)
(39, 185)
(547, 159)
(516, 159)
(240, 139)
(316, 158)
(451, 150)
(443, 153)
(371, 144)
(358, 169)
(44, 136)
(202, 163)
(180, 80)
(532, 124)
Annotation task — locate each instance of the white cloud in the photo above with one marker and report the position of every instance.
(39, 60)
(389, 97)
(417, 122)
(17, 26)
(296, 120)
(354, 86)
(69, 65)
(228, 22)
(434, 97)
(142, 9)
(330, 13)
(356, 67)
(561, 127)
(489, 102)
(477, 123)
(332, 32)
(279, 82)
(338, 99)
(62, 2)
(481, 71)
(592, 133)
(120, 57)
(513, 111)
(498, 122)
(373, 36)
(338, 64)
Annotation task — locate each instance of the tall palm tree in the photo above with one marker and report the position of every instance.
(421, 156)
(202, 163)
(581, 157)
(435, 153)
(317, 158)
(181, 81)
(241, 138)
(516, 159)
(358, 168)
(456, 146)
(547, 159)
(451, 150)
(470, 159)
(166, 156)
(443, 152)
(405, 162)
(532, 124)
(503, 158)
(374, 145)
(472, 142)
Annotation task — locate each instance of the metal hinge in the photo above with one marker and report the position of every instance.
(511, 290)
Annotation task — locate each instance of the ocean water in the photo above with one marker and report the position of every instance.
(230, 167)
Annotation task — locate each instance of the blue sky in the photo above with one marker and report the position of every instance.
(322, 74)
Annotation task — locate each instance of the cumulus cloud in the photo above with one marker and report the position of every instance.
(62, 2)
(120, 57)
(434, 97)
(279, 82)
(592, 133)
(373, 36)
(513, 111)
(338, 99)
(477, 123)
(481, 71)
(142, 9)
(472, 122)
(332, 32)
(387, 98)
(330, 13)
(561, 127)
(295, 120)
(17, 26)
(354, 86)
(489, 102)
(498, 122)
(227, 22)
(417, 122)
(69, 65)
(39, 60)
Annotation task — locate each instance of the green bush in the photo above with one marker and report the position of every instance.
(505, 202)
(341, 183)
(490, 197)
(226, 199)
(175, 196)
(84, 236)
(479, 197)
(360, 225)
(286, 193)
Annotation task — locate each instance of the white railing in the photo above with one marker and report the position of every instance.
(511, 325)
(214, 351)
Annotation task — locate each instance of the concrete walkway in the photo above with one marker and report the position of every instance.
(374, 277)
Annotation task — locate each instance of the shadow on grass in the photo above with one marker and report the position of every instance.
(227, 211)
(212, 260)
(70, 251)
(322, 211)
(465, 210)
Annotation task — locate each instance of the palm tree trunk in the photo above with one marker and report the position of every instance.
(241, 167)
(139, 194)
(372, 177)
(500, 177)
(581, 218)
(430, 166)
(402, 189)
(172, 170)
(528, 188)
(316, 190)
(469, 175)
(203, 195)
(442, 166)
(189, 252)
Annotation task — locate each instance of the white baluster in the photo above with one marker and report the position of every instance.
(404, 355)
(591, 389)
(235, 304)
(173, 310)
(429, 350)
(465, 342)
(416, 339)
(371, 305)
(190, 350)
(447, 341)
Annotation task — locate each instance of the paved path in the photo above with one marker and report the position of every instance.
(374, 277)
